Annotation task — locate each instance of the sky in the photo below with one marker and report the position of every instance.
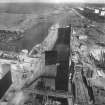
(55, 1)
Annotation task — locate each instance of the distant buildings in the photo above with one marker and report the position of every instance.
(102, 13)
(81, 9)
(98, 11)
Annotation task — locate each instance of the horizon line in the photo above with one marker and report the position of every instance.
(53, 2)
